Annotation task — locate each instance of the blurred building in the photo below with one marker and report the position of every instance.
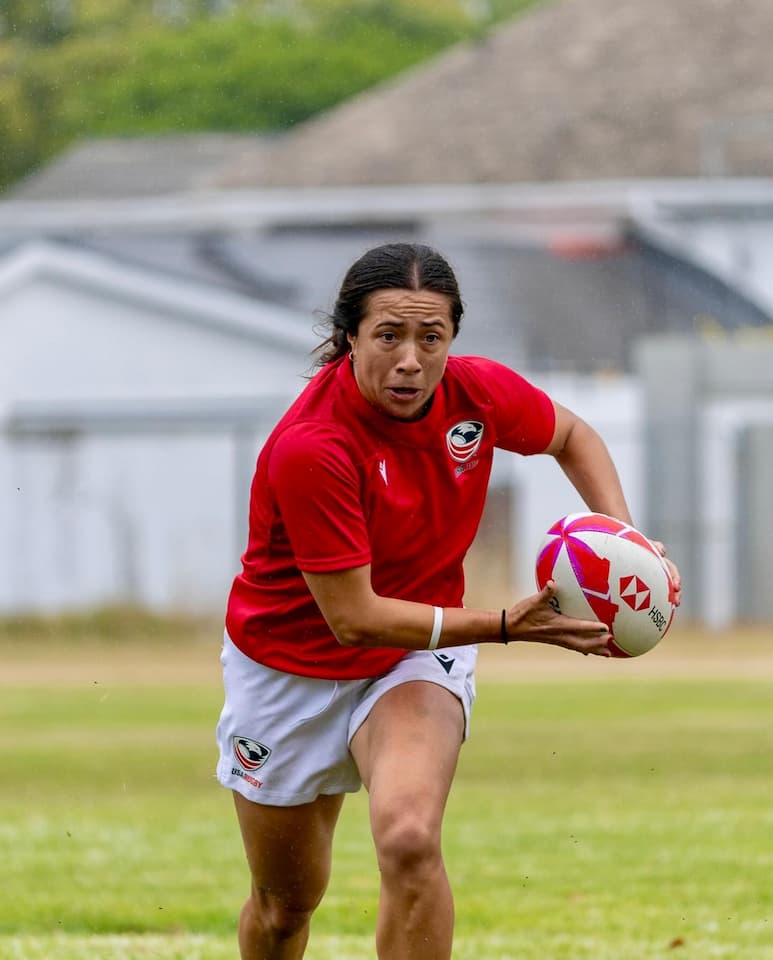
(596, 173)
(131, 407)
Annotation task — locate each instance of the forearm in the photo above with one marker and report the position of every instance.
(359, 617)
(413, 626)
(374, 621)
(387, 622)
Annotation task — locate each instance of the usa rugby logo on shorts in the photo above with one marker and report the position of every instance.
(250, 753)
(463, 439)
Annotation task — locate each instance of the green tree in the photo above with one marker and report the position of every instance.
(234, 73)
(36, 21)
(151, 66)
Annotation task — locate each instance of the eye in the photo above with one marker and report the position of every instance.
(432, 337)
(388, 336)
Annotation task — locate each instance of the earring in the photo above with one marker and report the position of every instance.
(351, 356)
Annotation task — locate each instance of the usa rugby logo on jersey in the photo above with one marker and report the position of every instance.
(463, 439)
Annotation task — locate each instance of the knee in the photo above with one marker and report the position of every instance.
(407, 845)
(280, 917)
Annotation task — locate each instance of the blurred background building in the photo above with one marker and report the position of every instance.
(599, 174)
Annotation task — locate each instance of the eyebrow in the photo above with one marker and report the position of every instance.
(398, 322)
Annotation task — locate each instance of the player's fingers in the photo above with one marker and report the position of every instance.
(538, 604)
(586, 628)
(547, 592)
(598, 645)
(590, 628)
(673, 571)
(676, 579)
(600, 651)
(660, 547)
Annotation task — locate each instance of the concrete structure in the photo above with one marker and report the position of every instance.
(707, 415)
(755, 529)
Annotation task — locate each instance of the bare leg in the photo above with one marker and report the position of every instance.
(406, 752)
(289, 852)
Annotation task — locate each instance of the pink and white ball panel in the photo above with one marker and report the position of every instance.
(606, 570)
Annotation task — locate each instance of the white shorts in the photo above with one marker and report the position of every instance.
(284, 739)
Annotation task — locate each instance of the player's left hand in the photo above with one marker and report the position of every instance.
(535, 618)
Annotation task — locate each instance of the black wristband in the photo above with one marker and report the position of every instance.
(502, 629)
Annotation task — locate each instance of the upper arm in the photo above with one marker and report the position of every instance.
(565, 421)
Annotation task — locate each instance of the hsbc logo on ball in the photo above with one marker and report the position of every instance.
(635, 592)
(463, 439)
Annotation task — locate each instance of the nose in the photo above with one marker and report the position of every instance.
(408, 361)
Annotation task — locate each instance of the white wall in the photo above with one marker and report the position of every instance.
(147, 519)
(59, 341)
(131, 411)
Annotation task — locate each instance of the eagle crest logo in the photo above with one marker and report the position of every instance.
(463, 439)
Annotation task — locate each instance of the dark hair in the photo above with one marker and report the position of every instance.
(403, 266)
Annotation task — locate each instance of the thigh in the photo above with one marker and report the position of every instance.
(283, 739)
(452, 669)
(407, 749)
(289, 848)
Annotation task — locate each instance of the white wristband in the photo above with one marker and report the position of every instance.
(437, 626)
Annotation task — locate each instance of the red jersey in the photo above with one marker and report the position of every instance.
(338, 485)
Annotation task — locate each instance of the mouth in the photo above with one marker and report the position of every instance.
(404, 393)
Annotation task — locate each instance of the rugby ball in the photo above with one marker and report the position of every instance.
(606, 570)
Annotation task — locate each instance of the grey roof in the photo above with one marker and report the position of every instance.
(569, 90)
(113, 168)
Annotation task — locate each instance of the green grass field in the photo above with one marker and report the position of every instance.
(608, 811)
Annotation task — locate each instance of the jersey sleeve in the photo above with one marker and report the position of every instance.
(524, 415)
(317, 491)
